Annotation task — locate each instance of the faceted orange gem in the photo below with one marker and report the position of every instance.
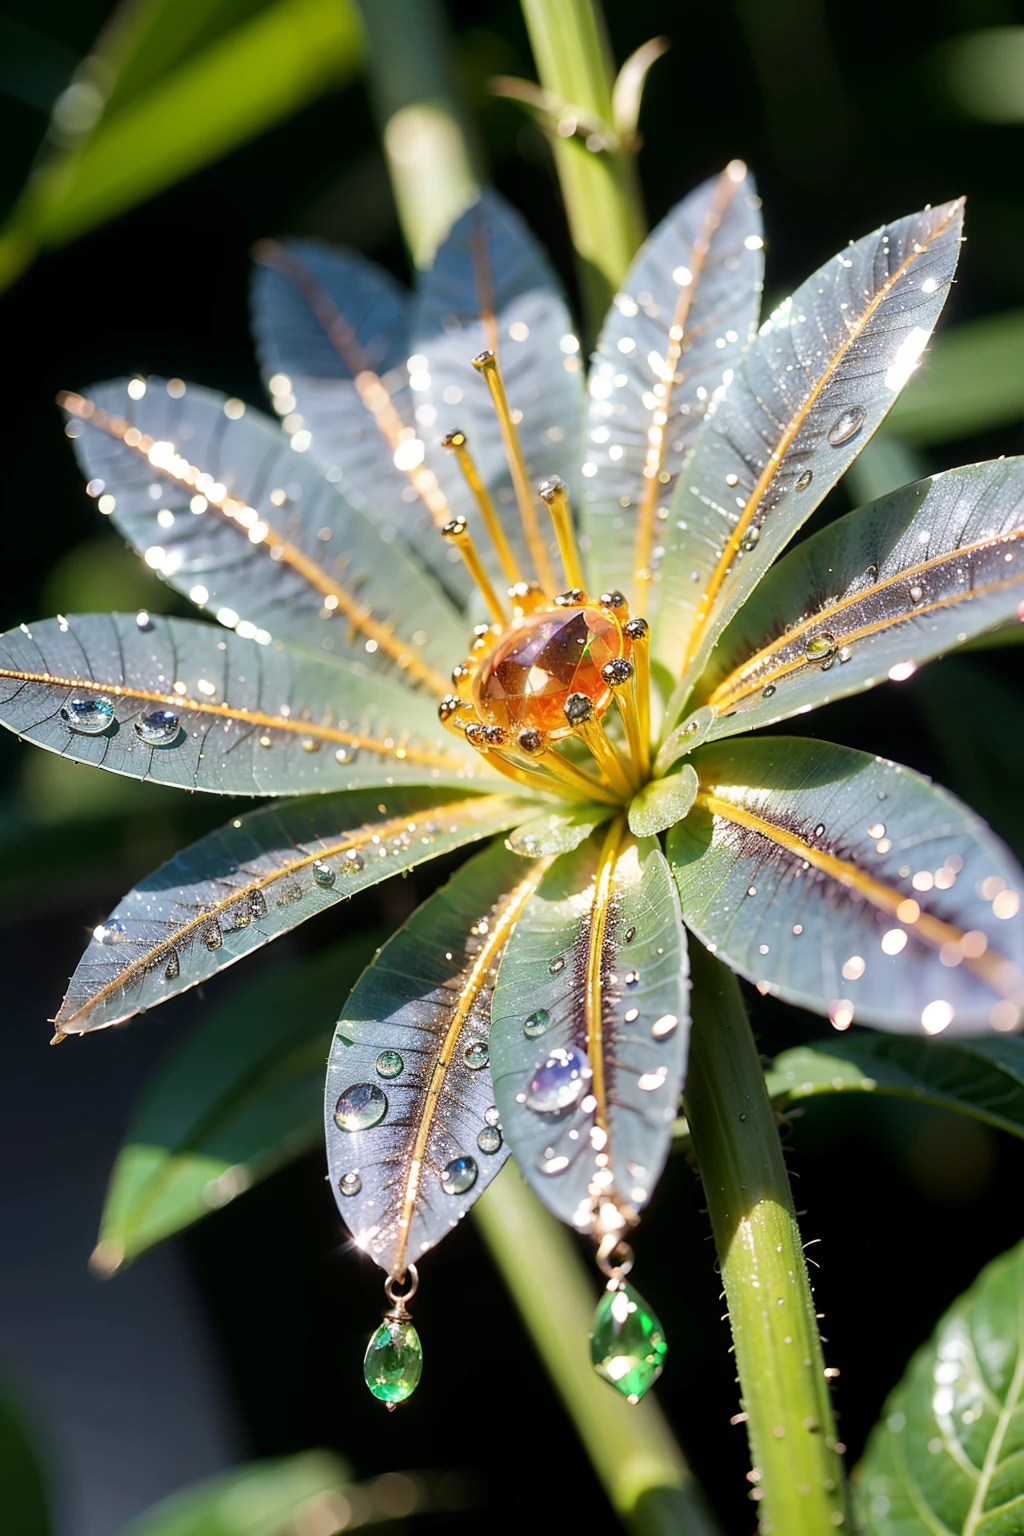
(540, 661)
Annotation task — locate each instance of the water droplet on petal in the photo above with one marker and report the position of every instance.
(537, 1023)
(323, 874)
(110, 932)
(158, 729)
(213, 935)
(750, 539)
(459, 1175)
(491, 1115)
(768, 691)
(560, 1083)
(354, 860)
(87, 717)
(632, 979)
(820, 645)
(360, 1107)
(489, 1139)
(350, 1184)
(665, 1026)
(556, 965)
(389, 1064)
(257, 904)
(804, 480)
(630, 935)
(173, 967)
(847, 425)
(476, 1055)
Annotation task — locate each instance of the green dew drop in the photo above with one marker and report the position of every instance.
(389, 1064)
(537, 1024)
(627, 1343)
(393, 1362)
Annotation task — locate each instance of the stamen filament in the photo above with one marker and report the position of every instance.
(460, 536)
(620, 675)
(553, 495)
(575, 777)
(456, 442)
(512, 769)
(639, 632)
(585, 721)
(487, 364)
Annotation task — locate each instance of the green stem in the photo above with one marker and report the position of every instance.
(631, 1448)
(785, 1395)
(600, 187)
(425, 136)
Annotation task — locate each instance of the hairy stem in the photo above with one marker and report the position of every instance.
(797, 1473)
(600, 186)
(631, 1448)
(426, 141)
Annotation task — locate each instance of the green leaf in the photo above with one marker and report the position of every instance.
(251, 530)
(590, 1030)
(169, 88)
(663, 802)
(266, 1498)
(255, 879)
(555, 832)
(873, 596)
(410, 1140)
(491, 286)
(946, 1455)
(687, 309)
(238, 1098)
(252, 719)
(984, 764)
(820, 378)
(26, 1504)
(851, 886)
(980, 1078)
(974, 382)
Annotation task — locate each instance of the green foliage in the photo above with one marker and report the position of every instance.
(23, 1492)
(270, 1498)
(172, 85)
(948, 1452)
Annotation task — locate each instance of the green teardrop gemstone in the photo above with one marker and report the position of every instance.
(627, 1344)
(394, 1361)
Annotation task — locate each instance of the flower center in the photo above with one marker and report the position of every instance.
(526, 680)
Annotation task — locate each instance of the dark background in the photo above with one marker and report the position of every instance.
(244, 1338)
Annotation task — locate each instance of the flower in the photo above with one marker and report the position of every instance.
(540, 1000)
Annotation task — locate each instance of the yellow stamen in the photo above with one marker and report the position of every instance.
(456, 442)
(487, 364)
(594, 995)
(583, 717)
(460, 536)
(553, 495)
(639, 632)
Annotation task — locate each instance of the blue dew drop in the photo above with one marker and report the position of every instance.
(161, 728)
(476, 1055)
(459, 1175)
(87, 717)
(560, 1083)
(360, 1107)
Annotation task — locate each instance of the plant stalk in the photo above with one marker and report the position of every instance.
(426, 138)
(600, 186)
(631, 1448)
(797, 1472)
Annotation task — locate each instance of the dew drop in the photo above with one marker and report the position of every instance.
(158, 729)
(459, 1175)
(630, 935)
(354, 860)
(750, 540)
(87, 717)
(560, 1083)
(537, 1023)
(491, 1115)
(389, 1064)
(804, 480)
(489, 1139)
(556, 965)
(213, 935)
(350, 1184)
(476, 1055)
(172, 969)
(916, 594)
(110, 932)
(257, 904)
(768, 691)
(819, 829)
(847, 425)
(359, 1107)
(665, 1026)
(632, 979)
(323, 874)
(820, 645)
(872, 572)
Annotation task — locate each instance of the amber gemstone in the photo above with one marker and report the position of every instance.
(541, 660)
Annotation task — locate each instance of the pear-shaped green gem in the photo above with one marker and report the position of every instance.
(394, 1360)
(627, 1344)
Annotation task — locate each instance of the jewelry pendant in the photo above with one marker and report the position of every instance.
(627, 1342)
(393, 1362)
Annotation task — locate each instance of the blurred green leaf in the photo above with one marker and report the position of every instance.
(171, 85)
(983, 73)
(269, 1498)
(22, 1484)
(982, 765)
(971, 382)
(239, 1098)
(946, 1456)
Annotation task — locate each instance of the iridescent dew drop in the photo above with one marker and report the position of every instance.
(360, 1107)
(537, 1023)
(389, 1064)
(324, 875)
(489, 1139)
(459, 1175)
(158, 729)
(820, 645)
(350, 1184)
(476, 1055)
(846, 425)
(560, 1083)
(87, 717)
(110, 932)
